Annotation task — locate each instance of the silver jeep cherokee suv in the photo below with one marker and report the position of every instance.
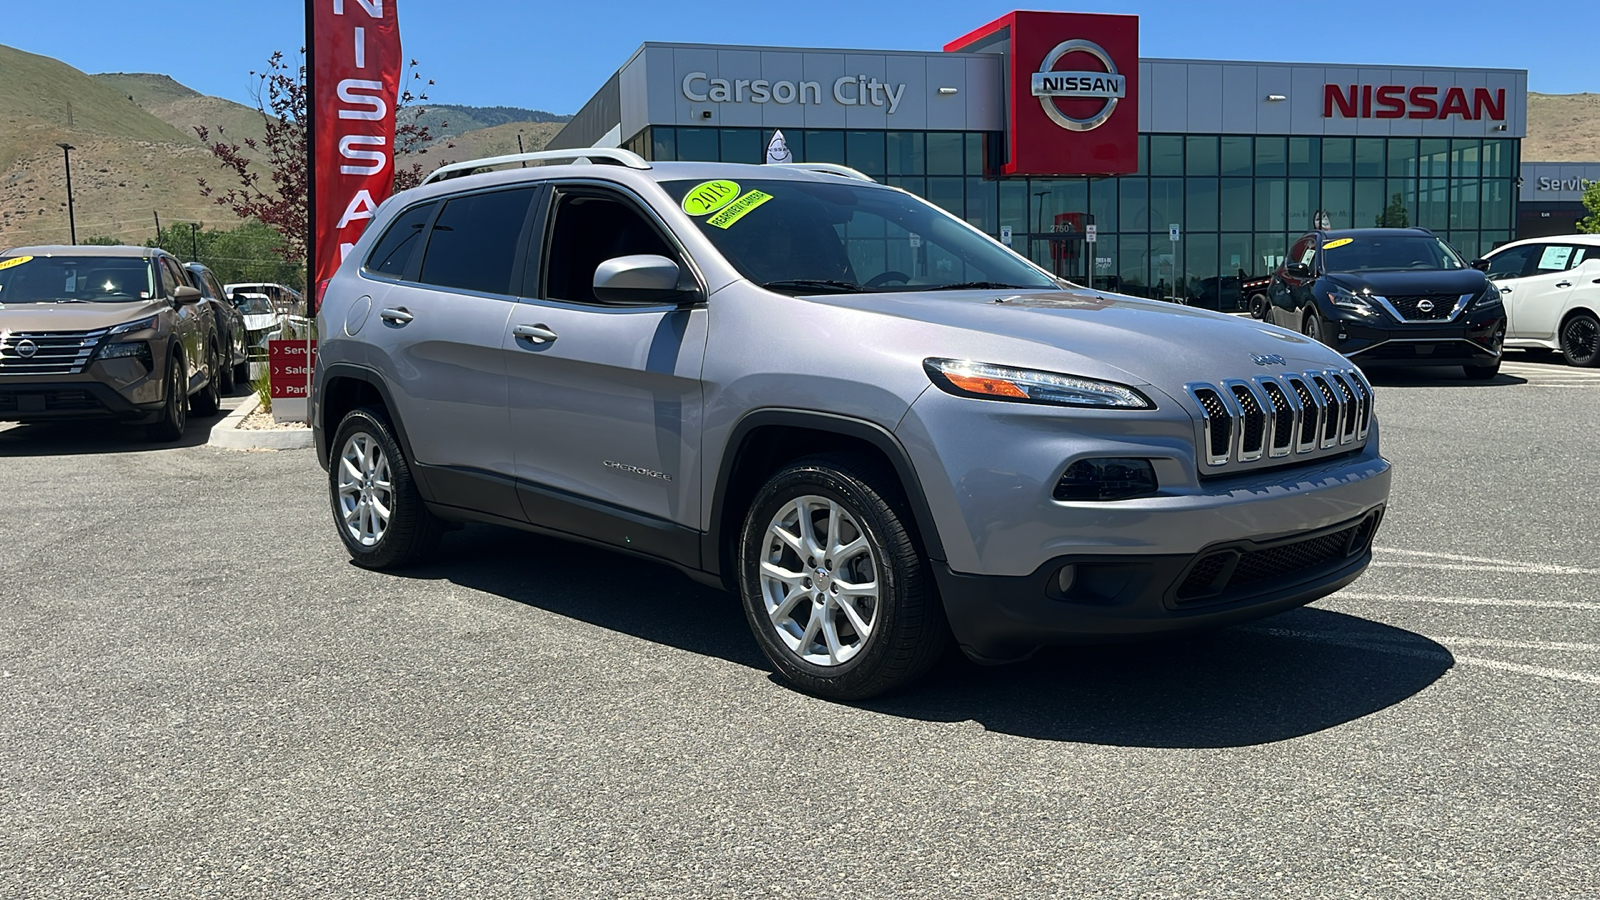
(876, 424)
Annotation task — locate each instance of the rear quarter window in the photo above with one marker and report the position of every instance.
(391, 254)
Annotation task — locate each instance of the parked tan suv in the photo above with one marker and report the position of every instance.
(105, 332)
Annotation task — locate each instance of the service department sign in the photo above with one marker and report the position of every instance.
(1103, 84)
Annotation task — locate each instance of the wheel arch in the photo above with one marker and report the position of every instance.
(344, 387)
(1590, 309)
(765, 440)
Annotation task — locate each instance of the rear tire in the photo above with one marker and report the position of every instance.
(825, 554)
(227, 382)
(1580, 340)
(208, 400)
(175, 412)
(377, 509)
(1258, 306)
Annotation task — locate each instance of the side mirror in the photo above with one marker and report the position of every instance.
(1297, 270)
(644, 278)
(1482, 265)
(186, 295)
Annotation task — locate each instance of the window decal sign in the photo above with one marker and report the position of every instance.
(1338, 243)
(738, 209)
(10, 263)
(707, 197)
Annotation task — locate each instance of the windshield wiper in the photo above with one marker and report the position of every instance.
(981, 286)
(840, 287)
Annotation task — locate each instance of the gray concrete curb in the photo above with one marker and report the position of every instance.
(228, 435)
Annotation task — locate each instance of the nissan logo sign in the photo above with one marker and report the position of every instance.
(1050, 85)
(26, 349)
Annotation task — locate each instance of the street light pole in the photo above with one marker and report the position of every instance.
(194, 241)
(72, 219)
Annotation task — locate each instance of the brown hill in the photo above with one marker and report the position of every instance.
(1563, 128)
(184, 108)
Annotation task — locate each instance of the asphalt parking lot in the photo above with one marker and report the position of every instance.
(200, 696)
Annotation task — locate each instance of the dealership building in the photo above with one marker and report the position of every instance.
(1159, 177)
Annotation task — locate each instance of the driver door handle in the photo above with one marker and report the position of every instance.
(396, 315)
(538, 334)
(1563, 284)
(1505, 290)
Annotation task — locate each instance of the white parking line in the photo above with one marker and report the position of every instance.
(1468, 601)
(1482, 563)
(1380, 647)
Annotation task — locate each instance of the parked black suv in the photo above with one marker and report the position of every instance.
(1390, 297)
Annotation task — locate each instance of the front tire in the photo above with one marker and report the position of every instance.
(175, 412)
(1313, 327)
(377, 508)
(1580, 340)
(839, 597)
(209, 400)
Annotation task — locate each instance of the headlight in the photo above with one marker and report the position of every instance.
(1354, 302)
(139, 350)
(983, 381)
(1489, 297)
(146, 324)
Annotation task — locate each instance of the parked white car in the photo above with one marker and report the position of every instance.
(1551, 289)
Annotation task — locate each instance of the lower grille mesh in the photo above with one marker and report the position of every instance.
(1207, 578)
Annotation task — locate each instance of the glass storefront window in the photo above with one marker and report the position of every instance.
(974, 142)
(1103, 203)
(1336, 202)
(1497, 196)
(945, 153)
(983, 205)
(1238, 204)
(1200, 155)
(1433, 158)
(1402, 153)
(1272, 203)
(1144, 154)
(1269, 252)
(1303, 201)
(1014, 208)
(1236, 255)
(1464, 158)
(863, 151)
(664, 143)
(1133, 195)
(1305, 157)
(1166, 203)
(905, 152)
(825, 147)
(1133, 264)
(1238, 155)
(743, 145)
(698, 144)
(1400, 204)
(1499, 159)
(1272, 156)
(1433, 203)
(915, 185)
(1369, 157)
(1464, 202)
(1200, 282)
(1200, 204)
(1166, 154)
(1370, 201)
(1338, 157)
(949, 193)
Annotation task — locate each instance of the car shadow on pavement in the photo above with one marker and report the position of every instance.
(98, 436)
(1437, 376)
(1301, 672)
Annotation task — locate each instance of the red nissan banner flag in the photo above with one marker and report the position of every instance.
(356, 68)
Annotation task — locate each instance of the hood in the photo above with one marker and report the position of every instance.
(75, 316)
(1106, 335)
(1412, 282)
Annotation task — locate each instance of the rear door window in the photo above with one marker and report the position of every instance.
(474, 243)
(1553, 258)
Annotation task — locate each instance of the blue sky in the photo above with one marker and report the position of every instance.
(555, 55)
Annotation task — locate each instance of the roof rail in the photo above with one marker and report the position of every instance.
(829, 169)
(611, 154)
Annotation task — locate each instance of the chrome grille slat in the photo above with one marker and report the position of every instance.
(57, 353)
(1283, 417)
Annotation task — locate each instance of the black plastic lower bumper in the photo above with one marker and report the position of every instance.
(1001, 619)
(56, 401)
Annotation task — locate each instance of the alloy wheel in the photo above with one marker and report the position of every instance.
(819, 580)
(366, 489)
(1581, 340)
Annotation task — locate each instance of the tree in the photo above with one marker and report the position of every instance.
(1591, 202)
(1394, 215)
(281, 200)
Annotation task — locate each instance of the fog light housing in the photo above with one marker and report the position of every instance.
(1107, 478)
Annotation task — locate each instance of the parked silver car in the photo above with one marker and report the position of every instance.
(876, 424)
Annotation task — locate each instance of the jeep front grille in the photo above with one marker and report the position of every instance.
(47, 352)
(1289, 417)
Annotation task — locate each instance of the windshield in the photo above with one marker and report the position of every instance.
(75, 279)
(253, 304)
(807, 237)
(1400, 251)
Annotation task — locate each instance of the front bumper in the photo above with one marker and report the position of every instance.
(1000, 619)
(1475, 338)
(45, 401)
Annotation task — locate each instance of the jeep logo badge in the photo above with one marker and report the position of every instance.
(26, 349)
(1107, 85)
(1265, 359)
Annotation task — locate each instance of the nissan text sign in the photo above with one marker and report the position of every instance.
(1422, 101)
(1073, 104)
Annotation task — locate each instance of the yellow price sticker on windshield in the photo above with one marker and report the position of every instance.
(1339, 243)
(705, 199)
(10, 263)
(738, 209)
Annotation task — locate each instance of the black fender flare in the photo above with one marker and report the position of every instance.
(845, 426)
(327, 375)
